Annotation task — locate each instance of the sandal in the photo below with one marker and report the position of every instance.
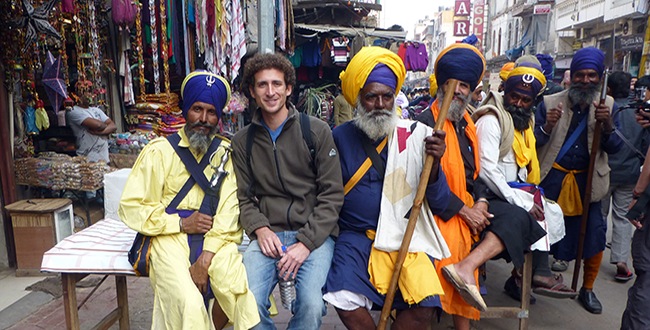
(554, 287)
(624, 277)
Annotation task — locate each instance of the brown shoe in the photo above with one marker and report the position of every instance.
(552, 286)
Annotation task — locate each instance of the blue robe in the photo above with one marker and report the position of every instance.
(360, 212)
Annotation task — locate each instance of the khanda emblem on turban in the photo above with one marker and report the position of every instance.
(528, 78)
(210, 79)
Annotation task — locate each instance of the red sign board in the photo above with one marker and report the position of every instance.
(462, 8)
(478, 19)
(461, 28)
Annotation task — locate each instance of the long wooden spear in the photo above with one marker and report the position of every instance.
(586, 199)
(415, 211)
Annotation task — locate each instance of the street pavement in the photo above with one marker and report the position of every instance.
(39, 310)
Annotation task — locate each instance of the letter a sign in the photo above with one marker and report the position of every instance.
(462, 8)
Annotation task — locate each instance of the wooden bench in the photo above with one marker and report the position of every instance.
(99, 249)
(521, 312)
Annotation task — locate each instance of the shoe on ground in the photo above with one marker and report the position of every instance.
(513, 290)
(590, 302)
(552, 286)
(623, 274)
(559, 265)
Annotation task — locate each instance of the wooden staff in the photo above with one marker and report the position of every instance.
(415, 211)
(586, 199)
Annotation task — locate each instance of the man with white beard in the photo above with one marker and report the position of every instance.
(504, 230)
(564, 126)
(194, 234)
(381, 162)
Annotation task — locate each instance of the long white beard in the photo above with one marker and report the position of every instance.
(456, 108)
(376, 123)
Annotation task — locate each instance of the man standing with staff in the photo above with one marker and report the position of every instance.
(564, 130)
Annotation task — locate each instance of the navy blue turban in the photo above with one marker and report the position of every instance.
(462, 62)
(547, 64)
(382, 74)
(588, 58)
(207, 87)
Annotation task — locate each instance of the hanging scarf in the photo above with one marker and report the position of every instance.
(526, 154)
(569, 199)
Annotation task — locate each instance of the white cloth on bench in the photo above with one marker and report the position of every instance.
(99, 249)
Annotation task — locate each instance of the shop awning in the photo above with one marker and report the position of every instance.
(350, 31)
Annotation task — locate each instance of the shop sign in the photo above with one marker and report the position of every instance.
(461, 28)
(478, 18)
(462, 8)
(542, 9)
(633, 42)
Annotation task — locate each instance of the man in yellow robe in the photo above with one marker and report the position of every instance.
(157, 178)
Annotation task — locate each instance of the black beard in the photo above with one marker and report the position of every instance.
(582, 93)
(521, 118)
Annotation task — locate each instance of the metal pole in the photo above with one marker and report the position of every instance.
(265, 26)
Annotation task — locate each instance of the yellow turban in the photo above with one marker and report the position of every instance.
(505, 70)
(433, 85)
(354, 77)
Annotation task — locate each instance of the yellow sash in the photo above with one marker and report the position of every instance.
(569, 199)
(361, 171)
(526, 154)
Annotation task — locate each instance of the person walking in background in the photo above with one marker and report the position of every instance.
(636, 316)
(625, 168)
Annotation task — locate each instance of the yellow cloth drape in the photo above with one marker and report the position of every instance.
(455, 231)
(355, 75)
(569, 199)
(526, 154)
(417, 279)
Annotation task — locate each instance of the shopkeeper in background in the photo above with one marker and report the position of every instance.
(90, 125)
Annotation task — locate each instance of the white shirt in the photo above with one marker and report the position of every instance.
(497, 173)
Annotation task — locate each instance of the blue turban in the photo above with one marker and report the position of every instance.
(588, 58)
(207, 87)
(382, 74)
(462, 62)
(526, 80)
(547, 64)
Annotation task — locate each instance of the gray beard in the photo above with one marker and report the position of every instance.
(456, 108)
(199, 142)
(377, 123)
(581, 96)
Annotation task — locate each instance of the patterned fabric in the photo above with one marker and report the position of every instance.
(101, 248)
(340, 51)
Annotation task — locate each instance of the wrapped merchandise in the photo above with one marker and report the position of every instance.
(60, 172)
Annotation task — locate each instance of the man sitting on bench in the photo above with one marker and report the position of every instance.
(193, 235)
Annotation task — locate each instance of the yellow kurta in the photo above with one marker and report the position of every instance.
(157, 175)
